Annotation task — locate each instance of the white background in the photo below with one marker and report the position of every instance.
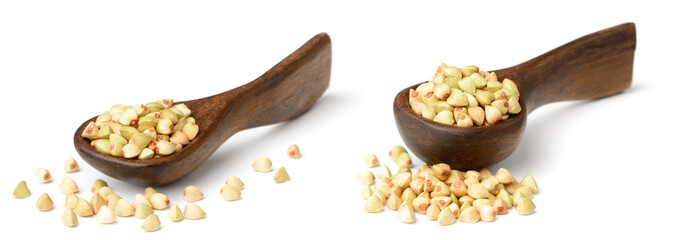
(604, 167)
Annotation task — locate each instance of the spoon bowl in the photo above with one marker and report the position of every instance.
(284, 92)
(594, 66)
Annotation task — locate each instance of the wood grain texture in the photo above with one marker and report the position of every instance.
(594, 66)
(286, 91)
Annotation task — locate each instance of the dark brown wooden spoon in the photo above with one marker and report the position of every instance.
(284, 92)
(594, 66)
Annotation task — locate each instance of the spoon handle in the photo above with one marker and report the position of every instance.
(594, 66)
(284, 92)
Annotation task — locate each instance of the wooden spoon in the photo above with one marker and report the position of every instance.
(594, 66)
(284, 92)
